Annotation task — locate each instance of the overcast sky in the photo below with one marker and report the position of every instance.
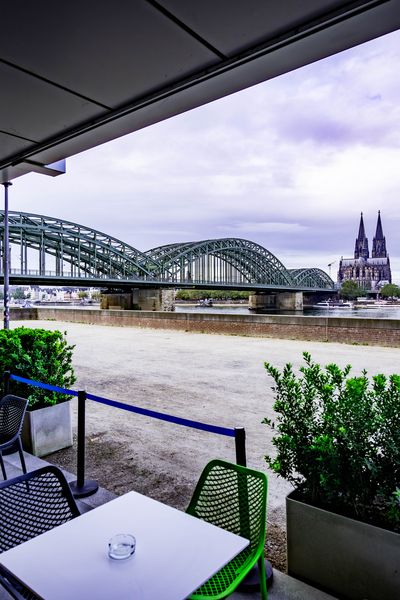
(289, 164)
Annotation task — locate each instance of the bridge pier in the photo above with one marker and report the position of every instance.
(262, 300)
(116, 300)
(309, 299)
(289, 301)
(280, 301)
(139, 299)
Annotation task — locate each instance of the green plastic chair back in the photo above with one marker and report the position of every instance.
(234, 498)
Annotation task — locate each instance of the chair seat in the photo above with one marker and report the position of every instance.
(217, 586)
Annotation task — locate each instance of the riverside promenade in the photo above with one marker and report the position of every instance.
(215, 379)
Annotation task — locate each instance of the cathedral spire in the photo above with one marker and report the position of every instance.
(379, 231)
(361, 247)
(361, 230)
(379, 242)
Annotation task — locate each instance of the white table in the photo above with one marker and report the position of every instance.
(175, 554)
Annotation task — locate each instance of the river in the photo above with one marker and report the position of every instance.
(381, 312)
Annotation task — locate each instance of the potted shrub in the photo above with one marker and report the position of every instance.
(338, 442)
(44, 356)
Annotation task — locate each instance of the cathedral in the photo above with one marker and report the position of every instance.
(369, 273)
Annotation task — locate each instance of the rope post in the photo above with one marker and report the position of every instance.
(81, 488)
(6, 382)
(251, 583)
(240, 446)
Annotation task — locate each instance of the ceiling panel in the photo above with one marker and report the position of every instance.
(234, 25)
(10, 144)
(108, 52)
(33, 109)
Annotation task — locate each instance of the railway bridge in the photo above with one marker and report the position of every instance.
(66, 253)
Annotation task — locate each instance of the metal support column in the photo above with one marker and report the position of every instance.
(6, 250)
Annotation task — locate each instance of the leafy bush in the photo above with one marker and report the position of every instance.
(213, 294)
(40, 355)
(351, 290)
(390, 290)
(338, 439)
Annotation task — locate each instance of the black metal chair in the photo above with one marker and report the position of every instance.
(12, 412)
(32, 504)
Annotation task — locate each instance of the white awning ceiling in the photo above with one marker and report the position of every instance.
(74, 75)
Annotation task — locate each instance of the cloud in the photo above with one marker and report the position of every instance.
(265, 227)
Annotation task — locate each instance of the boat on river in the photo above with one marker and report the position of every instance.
(334, 304)
(205, 302)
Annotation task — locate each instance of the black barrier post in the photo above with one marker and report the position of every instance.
(6, 382)
(251, 583)
(81, 488)
(240, 446)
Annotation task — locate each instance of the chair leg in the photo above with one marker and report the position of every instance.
(263, 577)
(21, 455)
(2, 466)
(8, 582)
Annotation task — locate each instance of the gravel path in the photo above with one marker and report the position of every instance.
(215, 379)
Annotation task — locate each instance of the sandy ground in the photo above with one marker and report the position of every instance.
(216, 379)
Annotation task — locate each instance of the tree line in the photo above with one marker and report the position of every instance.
(197, 295)
(351, 290)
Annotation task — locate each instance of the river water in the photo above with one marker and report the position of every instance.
(381, 312)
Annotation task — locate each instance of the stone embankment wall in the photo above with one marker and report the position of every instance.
(378, 332)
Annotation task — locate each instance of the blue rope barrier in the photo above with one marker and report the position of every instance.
(164, 417)
(135, 409)
(45, 386)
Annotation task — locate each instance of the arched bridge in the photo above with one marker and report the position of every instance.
(67, 253)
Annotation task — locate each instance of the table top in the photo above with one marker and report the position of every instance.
(175, 554)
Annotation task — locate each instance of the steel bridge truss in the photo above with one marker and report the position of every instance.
(221, 261)
(311, 277)
(85, 252)
(82, 252)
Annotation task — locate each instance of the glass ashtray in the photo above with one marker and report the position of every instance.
(121, 546)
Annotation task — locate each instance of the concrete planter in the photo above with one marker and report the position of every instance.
(347, 558)
(47, 429)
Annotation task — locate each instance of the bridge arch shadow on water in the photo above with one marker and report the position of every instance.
(87, 256)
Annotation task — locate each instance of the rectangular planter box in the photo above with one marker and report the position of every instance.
(342, 556)
(47, 429)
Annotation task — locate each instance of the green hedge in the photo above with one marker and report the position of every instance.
(41, 355)
(338, 439)
(213, 294)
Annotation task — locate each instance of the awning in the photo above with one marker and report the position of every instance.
(74, 75)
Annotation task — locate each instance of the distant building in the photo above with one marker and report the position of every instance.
(369, 273)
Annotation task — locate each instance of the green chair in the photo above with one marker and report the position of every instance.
(233, 498)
